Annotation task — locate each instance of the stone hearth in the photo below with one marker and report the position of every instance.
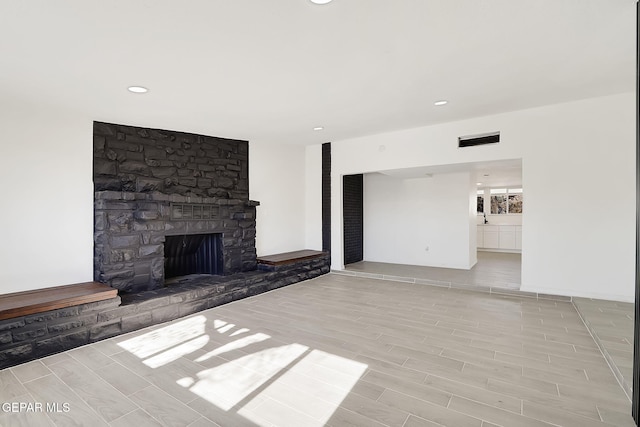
(28, 337)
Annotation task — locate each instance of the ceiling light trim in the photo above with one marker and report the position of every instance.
(137, 89)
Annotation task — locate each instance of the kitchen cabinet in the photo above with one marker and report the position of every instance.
(502, 237)
(507, 237)
(491, 236)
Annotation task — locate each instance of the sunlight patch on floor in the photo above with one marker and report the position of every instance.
(239, 331)
(235, 345)
(166, 337)
(227, 385)
(281, 385)
(177, 352)
(226, 328)
(296, 395)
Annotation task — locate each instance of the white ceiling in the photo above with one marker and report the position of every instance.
(499, 173)
(270, 71)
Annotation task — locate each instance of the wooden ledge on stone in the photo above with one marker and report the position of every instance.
(40, 300)
(289, 257)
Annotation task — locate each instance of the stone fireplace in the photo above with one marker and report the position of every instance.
(169, 204)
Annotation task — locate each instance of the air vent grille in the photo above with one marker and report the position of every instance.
(483, 139)
(188, 211)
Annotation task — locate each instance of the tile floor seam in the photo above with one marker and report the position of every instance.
(81, 399)
(206, 418)
(600, 347)
(468, 415)
(26, 392)
(33, 379)
(124, 415)
(192, 423)
(418, 398)
(191, 401)
(449, 401)
(58, 362)
(87, 366)
(586, 374)
(516, 384)
(179, 402)
(581, 417)
(51, 419)
(275, 399)
(364, 416)
(104, 381)
(504, 410)
(337, 388)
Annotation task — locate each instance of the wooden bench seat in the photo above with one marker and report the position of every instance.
(289, 257)
(40, 300)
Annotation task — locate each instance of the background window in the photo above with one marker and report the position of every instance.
(506, 201)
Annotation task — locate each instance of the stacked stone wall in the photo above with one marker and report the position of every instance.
(134, 159)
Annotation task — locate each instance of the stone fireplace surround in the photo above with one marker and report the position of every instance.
(131, 228)
(141, 176)
(152, 183)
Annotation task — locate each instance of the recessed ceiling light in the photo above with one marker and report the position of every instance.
(137, 89)
(478, 183)
(318, 128)
(320, 1)
(441, 102)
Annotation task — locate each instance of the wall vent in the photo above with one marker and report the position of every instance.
(482, 139)
(190, 211)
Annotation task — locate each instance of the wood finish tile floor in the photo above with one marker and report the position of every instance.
(493, 269)
(336, 351)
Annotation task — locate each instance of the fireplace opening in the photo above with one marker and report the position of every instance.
(193, 254)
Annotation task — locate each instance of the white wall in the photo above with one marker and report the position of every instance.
(578, 174)
(277, 180)
(472, 219)
(46, 215)
(313, 197)
(419, 221)
(579, 220)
